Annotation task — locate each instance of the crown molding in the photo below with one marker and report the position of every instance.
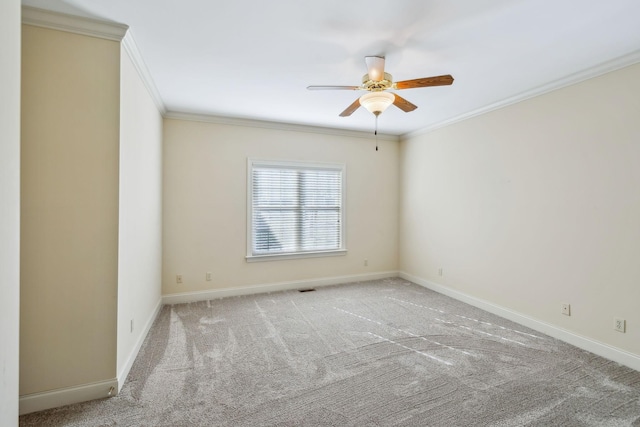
(131, 48)
(598, 70)
(73, 24)
(234, 121)
(100, 29)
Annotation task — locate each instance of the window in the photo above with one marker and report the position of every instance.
(294, 210)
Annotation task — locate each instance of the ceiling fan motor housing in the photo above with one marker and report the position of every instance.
(376, 86)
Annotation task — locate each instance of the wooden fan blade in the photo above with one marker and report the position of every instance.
(403, 104)
(351, 108)
(425, 82)
(333, 87)
(375, 67)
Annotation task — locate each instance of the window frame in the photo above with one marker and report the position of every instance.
(251, 163)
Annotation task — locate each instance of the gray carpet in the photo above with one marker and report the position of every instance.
(380, 353)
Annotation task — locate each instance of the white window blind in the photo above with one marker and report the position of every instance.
(295, 208)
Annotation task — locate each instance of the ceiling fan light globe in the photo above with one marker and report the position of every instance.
(377, 102)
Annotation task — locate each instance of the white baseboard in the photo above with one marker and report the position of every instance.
(124, 372)
(271, 287)
(601, 349)
(66, 396)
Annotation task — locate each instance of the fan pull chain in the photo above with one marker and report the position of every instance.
(376, 131)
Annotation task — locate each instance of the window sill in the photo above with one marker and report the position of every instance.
(276, 257)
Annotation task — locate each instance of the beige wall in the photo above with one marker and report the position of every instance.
(69, 233)
(9, 209)
(535, 205)
(140, 223)
(205, 197)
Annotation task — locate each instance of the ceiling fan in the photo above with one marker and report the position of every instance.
(376, 82)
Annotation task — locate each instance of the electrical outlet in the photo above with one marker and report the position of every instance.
(131, 325)
(208, 276)
(566, 309)
(179, 278)
(440, 271)
(619, 324)
(366, 262)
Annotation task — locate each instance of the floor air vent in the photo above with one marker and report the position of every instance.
(306, 290)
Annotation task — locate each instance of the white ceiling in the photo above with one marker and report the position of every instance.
(254, 59)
